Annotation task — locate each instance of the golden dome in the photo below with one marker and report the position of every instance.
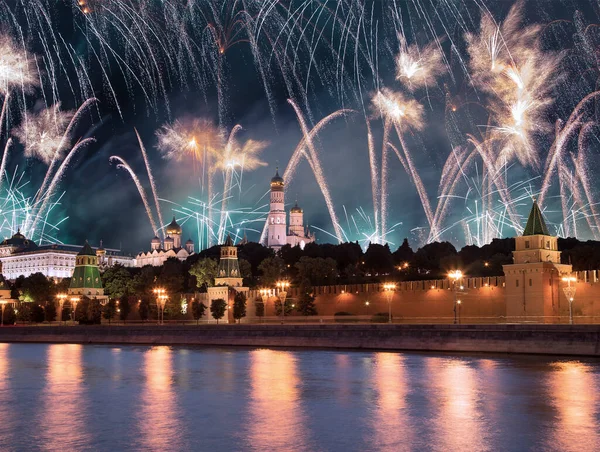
(173, 228)
(296, 209)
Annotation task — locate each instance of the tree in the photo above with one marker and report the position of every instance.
(125, 307)
(272, 269)
(217, 308)
(246, 272)
(50, 311)
(94, 312)
(288, 307)
(24, 312)
(239, 306)
(205, 271)
(37, 313)
(144, 310)
(404, 253)
(35, 287)
(117, 281)
(306, 300)
(316, 270)
(109, 310)
(9, 315)
(198, 309)
(171, 277)
(378, 259)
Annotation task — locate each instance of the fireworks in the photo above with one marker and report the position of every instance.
(43, 133)
(499, 84)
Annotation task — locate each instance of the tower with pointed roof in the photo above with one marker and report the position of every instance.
(228, 281)
(86, 280)
(276, 228)
(229, 269)
(533, 279)
(277, 232)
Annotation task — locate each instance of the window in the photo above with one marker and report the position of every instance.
(517, 283)
(526, 243)
(278, 220)
(548, 244)
(272, 220)
(530, 282)
(550, 283)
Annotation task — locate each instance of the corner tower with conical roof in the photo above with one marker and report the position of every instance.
(533, 279)
(86, 280)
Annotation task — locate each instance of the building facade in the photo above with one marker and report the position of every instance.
(160, 251)
(534, 279)
(278, 233)
(20, 256)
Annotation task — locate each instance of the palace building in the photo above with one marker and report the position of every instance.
(170, 247)
(278, 232)
(21, 256)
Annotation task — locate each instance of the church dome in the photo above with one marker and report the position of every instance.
(100, 251)
(173, 228)
(189, 242)
(296, 209)
(169, 240)
(277, 180)
(155, 240)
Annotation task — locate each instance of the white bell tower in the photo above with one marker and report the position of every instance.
(277, 229)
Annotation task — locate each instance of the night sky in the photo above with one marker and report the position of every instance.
(102, 202)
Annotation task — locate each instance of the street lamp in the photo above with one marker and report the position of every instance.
(74, 301)
(3, 303)
(458, 302)
(265, 294)
(282, 287)
(570, 294)
(161, 300)
(61, 301)
(455, 275)
(389, 289)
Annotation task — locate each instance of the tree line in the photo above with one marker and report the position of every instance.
(315, 265)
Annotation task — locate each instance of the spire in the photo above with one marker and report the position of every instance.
(535, 224)
(228, 242)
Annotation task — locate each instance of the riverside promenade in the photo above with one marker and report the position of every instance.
(575, 340)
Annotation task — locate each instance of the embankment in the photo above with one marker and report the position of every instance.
(582, 340)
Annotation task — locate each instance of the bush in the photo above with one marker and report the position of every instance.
(380, 317)
(9, 315)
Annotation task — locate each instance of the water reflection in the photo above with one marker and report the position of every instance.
(157, 417)
(457, 423)
(277, 421)
(391, 429)
(63, 413)
(573, 391)
(6, 409)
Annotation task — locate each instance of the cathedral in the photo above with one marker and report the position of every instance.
(278, 233)
(171, 247)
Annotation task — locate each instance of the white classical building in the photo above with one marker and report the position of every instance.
(171, 247)
(278, 234)
(21, 256)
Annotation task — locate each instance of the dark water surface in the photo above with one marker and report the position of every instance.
(74, 397)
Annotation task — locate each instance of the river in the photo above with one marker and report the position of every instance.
(84, 397)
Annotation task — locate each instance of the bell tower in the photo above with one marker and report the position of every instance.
(533, 280)
(276, 228)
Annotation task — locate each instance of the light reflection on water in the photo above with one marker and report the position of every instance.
(73, 397)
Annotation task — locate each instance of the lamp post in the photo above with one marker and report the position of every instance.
(3, 303)
(265, 294)
(61, 301)
(570, 294)
(161, 300)
(74, 301)
(389, 289)
(455, 275)
(282, 287)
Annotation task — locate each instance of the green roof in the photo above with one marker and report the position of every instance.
(86, 250)
(86, 277)
(535, 224)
